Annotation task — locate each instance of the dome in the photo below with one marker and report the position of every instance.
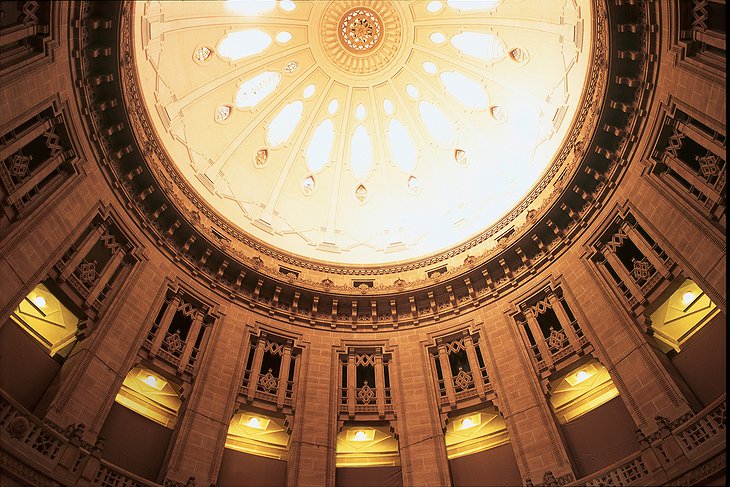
(339, 131)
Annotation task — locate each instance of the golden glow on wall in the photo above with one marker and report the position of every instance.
(258, 434)
(683, 313)
(147, 393)
(581, 390)
(366, 445)
(474, 432)
(47, 320)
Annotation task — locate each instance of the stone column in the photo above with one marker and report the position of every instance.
(620, 269)
(84, 248)
(420, 433)
(476, 374)
(283, 376)
(539, 338)
(379, 384)
(258, 357)
(312, 446)
(26, 137)
(190, 340)
(559, 310)
(105, 276)
(645, 249)
(446, 374)
(46, 168)
(165, 322)
(198, 442)
(351, 384)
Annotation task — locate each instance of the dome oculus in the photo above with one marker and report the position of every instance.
(360, 30)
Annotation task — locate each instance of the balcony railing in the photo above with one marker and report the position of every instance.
(51, 457)
(700, 439)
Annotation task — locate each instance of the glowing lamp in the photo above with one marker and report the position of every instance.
(150, 380)
(40, 301)
(254, 422)
(466, 423)
(360, 436)
(688, 297)
(581, 376)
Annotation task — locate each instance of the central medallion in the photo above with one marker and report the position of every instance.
(361, 37)
(361, 30)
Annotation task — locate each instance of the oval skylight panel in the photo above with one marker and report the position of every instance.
(283, 37)
(320, 146)
(473, 5)
(332, 107)
(429, 67)
(308, 91)
(438, 125)
(486, 47)
(437, 37)
(282, 126)
(402, 148)
(360, 112)
(469, 92)
(251, 92)
(361, 153)
(287, 5)
(434, 6)
(248, 7)
(413, 91)
(388, 106)
(244, 43)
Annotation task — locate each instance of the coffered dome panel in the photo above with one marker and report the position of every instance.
(363, 133)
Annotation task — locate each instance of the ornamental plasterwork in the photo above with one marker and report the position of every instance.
(184, 195)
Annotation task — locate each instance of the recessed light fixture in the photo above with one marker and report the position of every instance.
(360, 436)
(581, 376)
(150, 380)
(40, 301)
(688, 297)
(254, 422)
(466, 423)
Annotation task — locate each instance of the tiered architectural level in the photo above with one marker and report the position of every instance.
(459, 371)
(366, 383)
(271, 367)
(550, 331)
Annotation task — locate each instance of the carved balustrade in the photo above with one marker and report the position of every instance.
(682, 452)
(43, 454)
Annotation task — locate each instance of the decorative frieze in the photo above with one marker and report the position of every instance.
(630, 259)
(180, 332)
(689, 158)
(97, 263)
(36, 159)
(272, 366)
(550, 330)
(26, 39)
(365, 390)
(459, 370)
(700, 33)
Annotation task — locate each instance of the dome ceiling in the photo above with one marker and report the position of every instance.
(362, 132)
